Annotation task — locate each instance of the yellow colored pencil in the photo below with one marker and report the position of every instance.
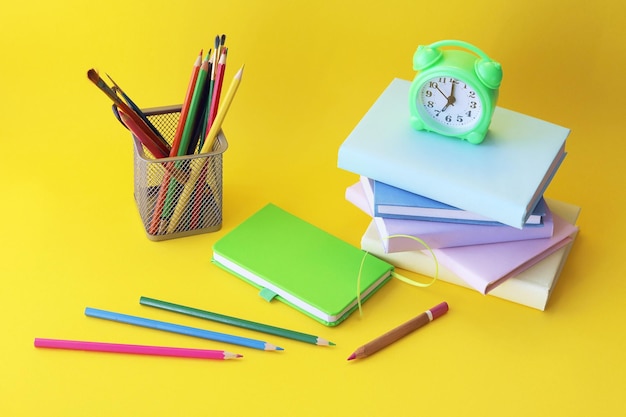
(206, 148)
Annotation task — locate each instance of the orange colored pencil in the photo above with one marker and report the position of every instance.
(186, 104)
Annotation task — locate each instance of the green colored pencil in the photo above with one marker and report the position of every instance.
(194, 108)
(234, 321)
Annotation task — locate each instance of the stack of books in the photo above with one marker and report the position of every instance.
(479, 208)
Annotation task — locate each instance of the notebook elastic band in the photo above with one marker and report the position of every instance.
(395, 274)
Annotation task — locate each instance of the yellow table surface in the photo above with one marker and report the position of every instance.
(71, 234)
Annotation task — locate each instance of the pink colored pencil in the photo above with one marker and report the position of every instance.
(217, 91)
(158, 207)
(135, 349)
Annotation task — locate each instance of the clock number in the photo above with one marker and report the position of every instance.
(468, 113)
(448, 118)
(430, 104)
(472, 94)
(459, 119)
(472, 105)
(433, 84)
(429, 93)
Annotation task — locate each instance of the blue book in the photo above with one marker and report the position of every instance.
(442, 234)
(503, 178)
(395, 203)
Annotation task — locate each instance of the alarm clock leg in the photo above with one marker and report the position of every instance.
(476, 137)
(417, 123)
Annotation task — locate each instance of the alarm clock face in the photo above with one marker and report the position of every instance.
(449, 104)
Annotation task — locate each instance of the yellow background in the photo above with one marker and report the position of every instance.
(71, 236)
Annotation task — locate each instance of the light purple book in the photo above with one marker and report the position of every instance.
(532, 287)
(443, 234)
(484, 267)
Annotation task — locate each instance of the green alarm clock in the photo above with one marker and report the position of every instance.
(455, 91)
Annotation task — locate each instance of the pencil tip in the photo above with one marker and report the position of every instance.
(353, 356)
(269, 346)
(323, 342)
(239, 356)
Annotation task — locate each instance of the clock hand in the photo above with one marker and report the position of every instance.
(451, 99)
(437, 87)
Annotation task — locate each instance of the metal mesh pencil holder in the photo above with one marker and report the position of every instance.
(178, 196)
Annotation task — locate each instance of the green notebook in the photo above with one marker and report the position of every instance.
(300, 264)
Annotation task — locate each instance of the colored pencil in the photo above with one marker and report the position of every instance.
(399, 332)
(207, 147)
(217, 91)
(135, 349)
(177, 328)
(157, 220)
(217, 75)
(205, 114)
(213, 97)
(188, 139)
(214, 59)
(184, 111)
(194, 108)
(234, 321)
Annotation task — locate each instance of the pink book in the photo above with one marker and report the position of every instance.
(484, 267)
(439, 235)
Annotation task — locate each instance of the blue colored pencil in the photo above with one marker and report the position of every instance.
(177, 328)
